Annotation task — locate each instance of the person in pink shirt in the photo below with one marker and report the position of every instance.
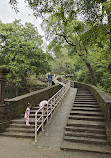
(27, 113)
(43, 104)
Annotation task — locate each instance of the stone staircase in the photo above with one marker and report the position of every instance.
(85, 129)
(18, 128)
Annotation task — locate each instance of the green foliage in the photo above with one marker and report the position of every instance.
(21, 51)
(85, 25)
(61, 62)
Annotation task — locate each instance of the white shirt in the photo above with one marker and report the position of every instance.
(43, 103)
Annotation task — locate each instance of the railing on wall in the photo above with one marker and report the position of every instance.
(72, 84)
(42, 116)
(63, 80)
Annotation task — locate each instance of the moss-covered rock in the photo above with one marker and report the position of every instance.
(108, 133)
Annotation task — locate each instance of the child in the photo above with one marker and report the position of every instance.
(43, 104)
(27, 113)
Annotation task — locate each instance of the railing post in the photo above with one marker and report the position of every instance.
(47, 113)
(54, 100)
(71, 84)
(51, 108)
(61, 94)
(42, 119)
(35, 128)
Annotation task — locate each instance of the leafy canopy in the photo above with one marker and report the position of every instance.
(21, 51)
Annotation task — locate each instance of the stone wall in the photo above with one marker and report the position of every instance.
(14, 107)
(3, 125)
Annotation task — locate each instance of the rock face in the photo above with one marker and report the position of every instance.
(85, 129)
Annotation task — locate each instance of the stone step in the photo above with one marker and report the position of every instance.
(84, 147)
(84, 113)
(88, 94)
(92, 103)
(37, 108)
(19, 135)
(85, 106)
(2, 116)
(26, 130)
(85, 123)
(86, 109)
(85, 100)
(83, 91)
(85, 134)
(85, 97)
(86, 140)
(89, 118)
(82, 129)
(22, 121)
(14, 125)
(81, 88)
(4, 120)
(82, 101)
(32, 115)
(34, 111)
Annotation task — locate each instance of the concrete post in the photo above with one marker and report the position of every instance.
(3, 73)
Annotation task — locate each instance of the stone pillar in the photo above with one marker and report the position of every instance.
(3, 73)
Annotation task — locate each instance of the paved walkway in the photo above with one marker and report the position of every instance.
(48, 145)
(53, 135)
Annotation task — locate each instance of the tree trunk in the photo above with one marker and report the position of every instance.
(87, 63)
(109, 33)
(92, 72)
(109, 24)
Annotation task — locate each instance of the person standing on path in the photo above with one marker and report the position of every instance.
(49, 80)
(27, 113)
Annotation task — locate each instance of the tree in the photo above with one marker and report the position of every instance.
(73, 33)
(21, 51)
(63, 18)
(95, 11)
(61, 62)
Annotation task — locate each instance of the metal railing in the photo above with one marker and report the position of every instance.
(42, 116)
(66, 81)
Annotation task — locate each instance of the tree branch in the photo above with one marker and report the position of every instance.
(70, 43)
